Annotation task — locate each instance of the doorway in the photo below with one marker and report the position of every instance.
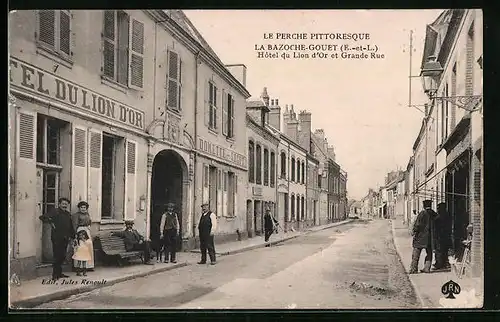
(458, 206)
(167, 185)
(47, 182)
(257, 220)
(249, 218)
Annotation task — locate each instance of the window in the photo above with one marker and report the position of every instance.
(123, 49)
(266, 167)
(319, 180)
(251, 162)
(113, 188)
(228, 116)
(298, 171)
(258, 165)
(174, 80)
(469, 69)
(302, 208)
(446, 112)
(293, 170)
(297, 215)
(273, 170)
(212, 106)
(54, 32)
(283, 165)
(205, 176)
(48, 140)
(303, 173)
(292, 206)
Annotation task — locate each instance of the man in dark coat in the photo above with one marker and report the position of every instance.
(443, 237)
(423, 237)
(206, 230)
(62, 232)
(269, 224)
(134, 241)
(169, 227)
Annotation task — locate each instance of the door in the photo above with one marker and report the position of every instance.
(50, 196)
(39, 225)
(249, 218)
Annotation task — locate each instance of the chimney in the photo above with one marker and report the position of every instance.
(292, 125)
(331, 152)
(320, 135)
(264, 96)
(305, 130)
(239, 71)
(275, 115)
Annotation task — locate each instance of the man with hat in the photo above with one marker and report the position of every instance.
(423, 237)
(169, 232)
(206, 228)
(135, 241)
(62, 232)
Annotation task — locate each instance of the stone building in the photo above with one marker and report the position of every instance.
(454, 42)
(262, 170)
(320, 146)
(102, 113)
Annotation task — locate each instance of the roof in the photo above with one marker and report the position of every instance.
(257, 104)
(183, 21)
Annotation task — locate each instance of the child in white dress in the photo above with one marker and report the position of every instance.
(82, 253)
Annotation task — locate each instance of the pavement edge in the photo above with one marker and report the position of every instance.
(415, 288)
(64, 294)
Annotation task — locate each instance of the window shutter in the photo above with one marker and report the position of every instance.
(109, 44)
(224, 106)
(179, 85)
(27, 128)
(220, 194)
(231, 118)
(79, 169)
(173, 74)
(216, 112)
(95, 173)
(225, 200)
(136, 54)
(207, 104)
(65, 31)
(46, 27)
(205, 183)
(130, 180)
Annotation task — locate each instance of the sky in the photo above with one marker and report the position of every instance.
(362, 105)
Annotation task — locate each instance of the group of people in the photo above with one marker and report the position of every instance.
(431, 231)
(71, 230)
(74, 230)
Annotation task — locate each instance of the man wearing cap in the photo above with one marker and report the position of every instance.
(169, 228)
(423, 237)
(206, 228)
(62, 232)
(135, 241)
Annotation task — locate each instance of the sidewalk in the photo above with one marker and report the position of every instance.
(258, 241)
(428, 286)
(34, 292)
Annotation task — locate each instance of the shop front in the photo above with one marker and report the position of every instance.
(67, 140)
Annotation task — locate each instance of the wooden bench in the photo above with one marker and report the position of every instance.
(114, 246)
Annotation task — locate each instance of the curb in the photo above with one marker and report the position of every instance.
(60, 295)
(271, 243)
(415, 288)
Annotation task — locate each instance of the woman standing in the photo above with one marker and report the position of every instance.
(81, 219)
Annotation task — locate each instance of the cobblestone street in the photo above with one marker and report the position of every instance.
(350, 266)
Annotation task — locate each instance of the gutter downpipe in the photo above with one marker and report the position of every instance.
(195, 154)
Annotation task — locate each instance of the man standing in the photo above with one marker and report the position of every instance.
(443, 236)
(62, 231)
(423, 237)
(135, 241)
(269, 224)
(206, 228)
(170, 232)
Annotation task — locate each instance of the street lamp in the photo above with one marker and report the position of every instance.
(430, 74)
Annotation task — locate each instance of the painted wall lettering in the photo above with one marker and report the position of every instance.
(30, 79)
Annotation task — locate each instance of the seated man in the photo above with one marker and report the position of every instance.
(135, 241)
